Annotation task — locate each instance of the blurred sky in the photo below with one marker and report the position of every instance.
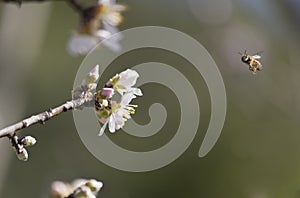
(257, 155)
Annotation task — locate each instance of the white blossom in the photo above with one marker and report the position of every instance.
(98, 24)
(125, 81)
(111, 12)
(81, 44)
(121, 112)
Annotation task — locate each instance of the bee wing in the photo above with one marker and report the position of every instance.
(257, 56)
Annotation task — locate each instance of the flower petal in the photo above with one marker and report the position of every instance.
(104, 2)
(103, 128)
(110, 41)
(136, 91)
(126, 99)
(112, 124)
(119, 7)
(128, 78)
(81, 44)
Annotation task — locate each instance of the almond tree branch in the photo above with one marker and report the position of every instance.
(26, 1)
(73, 3)
(45, 116)
(77, 6)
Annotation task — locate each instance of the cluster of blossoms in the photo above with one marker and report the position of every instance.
(112, 103)
(79, 188)
(97, 23)
(88, 85)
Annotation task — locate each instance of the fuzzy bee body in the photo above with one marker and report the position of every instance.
(252, 61)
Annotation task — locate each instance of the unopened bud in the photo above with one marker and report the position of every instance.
(22, 155)
(93, 76)
(92, 86)
(28, 141)
(107, 92)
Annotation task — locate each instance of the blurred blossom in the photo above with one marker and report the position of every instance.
(98, 24)
(212, 11)
(60, 189)
(259, 195)
(81, 44)
(82, 188)
(111, 14)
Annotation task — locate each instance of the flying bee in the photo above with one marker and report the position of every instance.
(252, 61)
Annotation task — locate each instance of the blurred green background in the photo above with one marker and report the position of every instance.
(257, 155)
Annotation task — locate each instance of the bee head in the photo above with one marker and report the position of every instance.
(245, 58)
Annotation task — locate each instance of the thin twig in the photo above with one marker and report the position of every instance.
(73, 3)
(27, 1)
(77, 6)
(44, 116)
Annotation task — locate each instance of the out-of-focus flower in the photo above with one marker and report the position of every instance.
(113, 112)
(81, 44)
(111, 14)
(60, 189)
(79, 188)
(97, 24)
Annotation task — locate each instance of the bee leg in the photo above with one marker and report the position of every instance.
(260, 68)
(254, 70)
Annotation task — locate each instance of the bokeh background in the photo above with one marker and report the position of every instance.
(257, 155)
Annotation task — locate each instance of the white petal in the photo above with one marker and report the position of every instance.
(110, 41)
(112, 124)
(114, 46)
(119, 120)
(103, 34)
(128, 78)
(136, 91)
(102, 129)
(81, 44)
(104, 2)
(110, 28)
(126, 98)
(113, 18)
(119, 8)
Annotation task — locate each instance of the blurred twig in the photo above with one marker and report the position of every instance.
(73, 3)
(45, 116)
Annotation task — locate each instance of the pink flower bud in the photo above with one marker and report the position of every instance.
(107, 92)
